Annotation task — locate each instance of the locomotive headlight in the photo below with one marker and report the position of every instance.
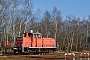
(15, 48)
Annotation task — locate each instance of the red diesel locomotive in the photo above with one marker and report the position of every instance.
(34, 43)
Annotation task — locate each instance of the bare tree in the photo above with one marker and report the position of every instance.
(56, 16)
(46, 22)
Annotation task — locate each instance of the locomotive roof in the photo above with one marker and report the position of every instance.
(34, 33)
(37, 33)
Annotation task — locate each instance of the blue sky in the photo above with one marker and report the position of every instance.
(79, 8)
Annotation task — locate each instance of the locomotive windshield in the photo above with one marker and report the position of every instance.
(19, 38)
(37, 35)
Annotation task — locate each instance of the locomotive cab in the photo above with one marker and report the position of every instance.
(37, 35)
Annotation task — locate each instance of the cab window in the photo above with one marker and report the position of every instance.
(20, 38)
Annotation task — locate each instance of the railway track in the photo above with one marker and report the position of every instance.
(54, 56)
(31, 57)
